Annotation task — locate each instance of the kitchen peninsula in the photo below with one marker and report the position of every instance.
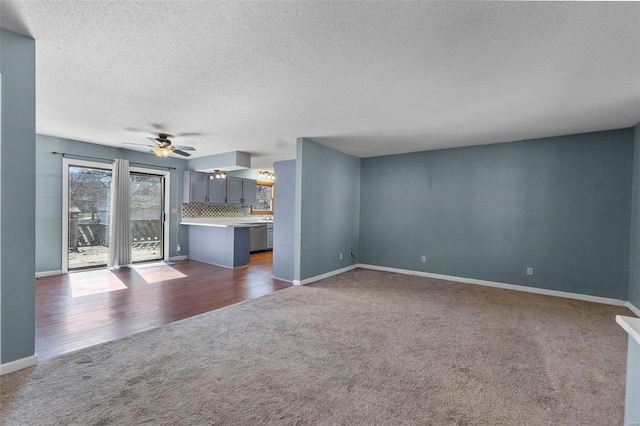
(223, 241)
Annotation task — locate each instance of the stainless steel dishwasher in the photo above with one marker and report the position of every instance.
(258, 235)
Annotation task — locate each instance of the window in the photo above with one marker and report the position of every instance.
(264, 199)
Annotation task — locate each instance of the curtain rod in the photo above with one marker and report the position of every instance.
(64, 154)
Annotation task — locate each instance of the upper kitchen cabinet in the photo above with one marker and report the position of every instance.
(201, 187)
(217, 190)
(234, 190)
(241, 191)
(249, 191)
(194, 187)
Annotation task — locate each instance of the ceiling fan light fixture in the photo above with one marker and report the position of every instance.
(163, 148)
(162, 151)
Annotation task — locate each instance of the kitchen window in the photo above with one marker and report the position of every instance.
(264, 199)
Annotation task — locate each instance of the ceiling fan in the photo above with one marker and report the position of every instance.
(163, 147)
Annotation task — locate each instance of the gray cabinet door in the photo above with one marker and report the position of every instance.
(217, 190)
(234, 190)
(270, 238)
(194, 185)
(249, 191)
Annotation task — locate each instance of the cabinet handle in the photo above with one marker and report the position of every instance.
(242, 200)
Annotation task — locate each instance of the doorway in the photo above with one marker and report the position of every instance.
(147, 217)
(86, 214)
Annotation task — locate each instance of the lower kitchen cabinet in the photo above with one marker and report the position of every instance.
(270, 236)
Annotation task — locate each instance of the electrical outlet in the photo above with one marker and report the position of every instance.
(340, 256)
(529, 271)
(424, 259)
(179, 248)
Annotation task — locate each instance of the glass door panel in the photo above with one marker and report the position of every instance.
(147, 217)
(89, 205)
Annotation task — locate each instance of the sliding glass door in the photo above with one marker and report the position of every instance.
(147, 217)
(88, 202)
(89, 198)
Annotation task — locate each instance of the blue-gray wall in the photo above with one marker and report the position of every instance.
(634, 251)
(559, 205)
(284, 220)
(49, 194)
(327, 209)
(17, 196)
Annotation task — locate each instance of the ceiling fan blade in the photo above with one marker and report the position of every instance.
(160, 129)
(184, 148)
(189, 134)
(157, 126)
(141, 144)
(177, 151)
(152, 139)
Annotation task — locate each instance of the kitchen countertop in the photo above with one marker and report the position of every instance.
(631, 325)
(225, 222)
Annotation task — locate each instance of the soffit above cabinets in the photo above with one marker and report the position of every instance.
(227, 161)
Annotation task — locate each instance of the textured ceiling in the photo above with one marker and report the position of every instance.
(367, 78)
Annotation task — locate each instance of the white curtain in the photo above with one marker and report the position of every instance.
(120, 221)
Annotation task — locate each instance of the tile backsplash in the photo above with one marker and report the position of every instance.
(215, 210)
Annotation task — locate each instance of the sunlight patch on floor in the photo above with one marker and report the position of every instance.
(159, 273)
(94, 282)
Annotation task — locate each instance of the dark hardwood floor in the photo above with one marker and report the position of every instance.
(81, 309)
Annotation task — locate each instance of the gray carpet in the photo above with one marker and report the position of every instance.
(364, 347)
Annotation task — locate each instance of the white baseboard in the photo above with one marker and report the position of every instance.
(323, 276)
(536, 290)
(178, 258)
(48, 273)
(633, 308)
(18, 364)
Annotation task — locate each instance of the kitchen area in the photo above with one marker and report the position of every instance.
(229, 216)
